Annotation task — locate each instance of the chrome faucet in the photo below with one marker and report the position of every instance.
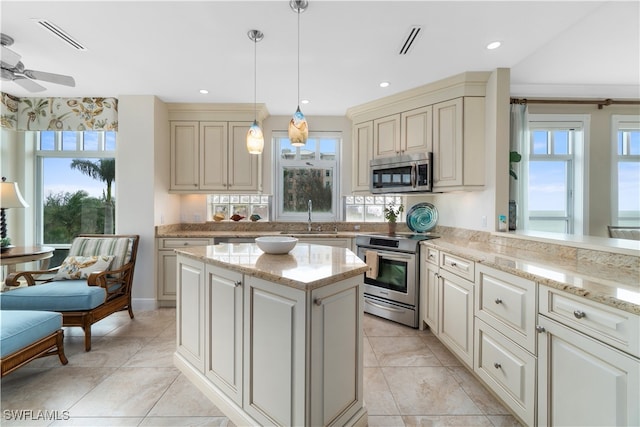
(310, 206)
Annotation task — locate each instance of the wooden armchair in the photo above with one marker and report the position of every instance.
(82, 296)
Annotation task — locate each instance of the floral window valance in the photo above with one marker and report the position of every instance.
(74, 114)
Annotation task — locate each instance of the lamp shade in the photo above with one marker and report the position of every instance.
(255, 139)
(10, 196)
(298, 129)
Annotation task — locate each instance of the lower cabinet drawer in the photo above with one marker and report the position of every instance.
(508, 369)
(615, 327)
(181, 243)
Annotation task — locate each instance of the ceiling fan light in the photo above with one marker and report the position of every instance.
(255, 139)
(298, 129)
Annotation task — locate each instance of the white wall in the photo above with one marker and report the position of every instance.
(142, 141)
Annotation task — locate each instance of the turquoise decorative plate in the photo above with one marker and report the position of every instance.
(422, 217)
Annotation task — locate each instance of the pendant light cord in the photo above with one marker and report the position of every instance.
(255, 78)
(298, 56)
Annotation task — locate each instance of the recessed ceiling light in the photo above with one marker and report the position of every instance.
(204, 91)
(304, 101)
(493, 45)
(384, 84)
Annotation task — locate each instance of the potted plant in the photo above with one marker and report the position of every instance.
(391, 214)
(514, 157)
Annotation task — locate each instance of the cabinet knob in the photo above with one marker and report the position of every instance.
(437, 276)
(498, 301)
(540, 329)
(497, 365)
(453, 264)
(431, 256)
(317, 301)
(186, 243)
(237, 283)
(579, 314)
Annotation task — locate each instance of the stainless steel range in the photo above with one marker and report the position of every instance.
(391, 285)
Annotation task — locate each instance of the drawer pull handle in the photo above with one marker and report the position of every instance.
(497, 365)
(186, 243)
(540, 329)
(453, 264)
(579, 314)
(498, 301)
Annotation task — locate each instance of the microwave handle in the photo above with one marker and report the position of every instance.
(413, 175)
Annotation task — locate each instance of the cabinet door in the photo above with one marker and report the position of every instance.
(213, 156)
(184, 156)
(583, 382)
(386, 136)
(362, 153)
(430, 297)
(417, 130)
(274, 356)
(336, 352)
(447, 143)
(224, 330)
(455, 296)
(244, 173)
(166, 275)
(190, 311)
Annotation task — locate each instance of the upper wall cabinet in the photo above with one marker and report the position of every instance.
(362, 144)
(210, 156)
(446, 117)
(405, 133)
(458, 144)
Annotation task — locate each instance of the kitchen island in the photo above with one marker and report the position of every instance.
(273, 339)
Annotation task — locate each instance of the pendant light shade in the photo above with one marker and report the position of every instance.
(255, 137)
(298, 128)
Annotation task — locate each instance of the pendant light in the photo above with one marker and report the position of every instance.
(298, 129)
(255, 137)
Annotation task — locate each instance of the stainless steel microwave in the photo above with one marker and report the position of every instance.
(402, 174)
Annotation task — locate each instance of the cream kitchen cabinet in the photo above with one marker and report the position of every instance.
(458, 144)
(405, 133)
(429, 278)
(583, 376)
(455, 305)
(362, 151)
(329, 241)
(211, 156)
(166, 267)
(505, 338)
(223, 328)
(190, 312)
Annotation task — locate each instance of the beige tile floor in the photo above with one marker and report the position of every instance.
(128, 379)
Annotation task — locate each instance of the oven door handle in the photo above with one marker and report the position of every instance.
(396, 256)
(367, 301)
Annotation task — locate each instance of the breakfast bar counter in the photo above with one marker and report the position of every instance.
(273, 339)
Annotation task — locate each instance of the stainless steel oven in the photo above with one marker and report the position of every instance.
(391, 286)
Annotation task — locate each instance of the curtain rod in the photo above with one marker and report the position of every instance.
(600, 103)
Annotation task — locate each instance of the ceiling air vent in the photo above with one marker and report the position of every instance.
(412, 36)
(60, 33)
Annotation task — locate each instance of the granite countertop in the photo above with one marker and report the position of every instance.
(306, 267)
(599, 281)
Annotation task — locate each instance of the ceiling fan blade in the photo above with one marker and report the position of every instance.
(28, 84)
(50, 77)
(9, 58)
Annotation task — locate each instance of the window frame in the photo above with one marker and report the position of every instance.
(577, 168)
(618, 122)
(278, 182)
(59, 152)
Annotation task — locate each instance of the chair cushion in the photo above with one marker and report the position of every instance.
(80, 267)
(64, 295)
(19, 328)
(119, 247)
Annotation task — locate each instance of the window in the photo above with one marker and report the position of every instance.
(626, 169)
(75, 185)
(553, 174)
(307, 173)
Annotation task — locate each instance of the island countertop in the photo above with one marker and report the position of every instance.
(306, 267)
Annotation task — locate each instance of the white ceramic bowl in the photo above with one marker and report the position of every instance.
(276, 244)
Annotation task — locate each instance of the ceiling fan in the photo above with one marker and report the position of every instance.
(12, 69)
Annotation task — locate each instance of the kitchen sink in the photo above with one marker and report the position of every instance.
(308, 232)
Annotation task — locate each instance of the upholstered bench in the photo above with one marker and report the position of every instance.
(94, 281)
(27, 335)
